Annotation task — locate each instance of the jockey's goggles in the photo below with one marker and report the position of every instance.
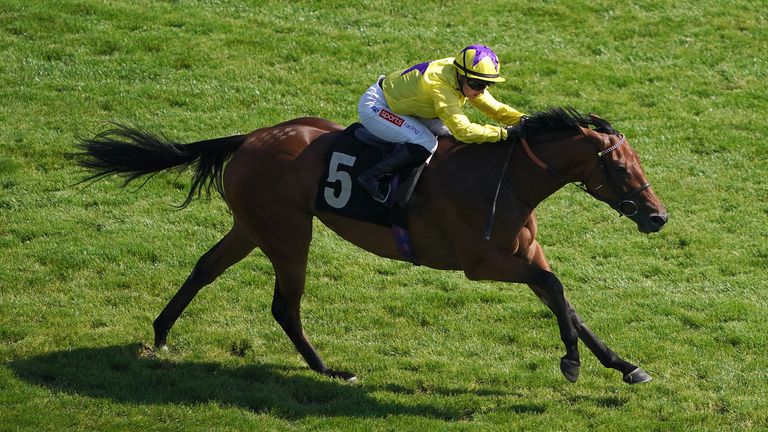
(478, 85)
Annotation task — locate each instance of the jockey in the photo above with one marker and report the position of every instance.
(416, 105)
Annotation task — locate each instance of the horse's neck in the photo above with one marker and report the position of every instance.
(533, 183)
(529, 183)
(470, 174)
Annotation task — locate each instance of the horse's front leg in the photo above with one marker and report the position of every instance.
(570, 364)
(507, 268)
(632, 373)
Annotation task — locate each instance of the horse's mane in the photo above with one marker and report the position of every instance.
(559, 119)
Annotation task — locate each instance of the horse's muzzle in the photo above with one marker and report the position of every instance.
(651, 223)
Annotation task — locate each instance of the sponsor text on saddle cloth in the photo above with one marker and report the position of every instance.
(339, 193)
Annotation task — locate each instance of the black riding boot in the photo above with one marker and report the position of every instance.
(408, 155)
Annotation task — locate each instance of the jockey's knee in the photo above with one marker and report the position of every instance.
(429, 144)
(419, 152)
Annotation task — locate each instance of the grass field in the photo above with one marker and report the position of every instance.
(84, 271)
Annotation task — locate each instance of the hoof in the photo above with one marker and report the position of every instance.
(346, 376)
(161, 342)
(570, 369)
(637, 376)
(161, 335)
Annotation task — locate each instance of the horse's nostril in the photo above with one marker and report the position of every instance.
(659, 219)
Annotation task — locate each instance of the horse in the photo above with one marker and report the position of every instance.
(269, 178)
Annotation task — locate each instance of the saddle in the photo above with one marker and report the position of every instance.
(353, 151)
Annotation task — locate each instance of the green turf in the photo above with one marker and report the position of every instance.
(84, 271)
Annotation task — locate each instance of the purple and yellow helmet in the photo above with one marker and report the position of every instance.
(478, 62)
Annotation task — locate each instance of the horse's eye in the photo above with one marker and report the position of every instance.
(620, 169)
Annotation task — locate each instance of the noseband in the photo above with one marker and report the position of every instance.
(624, 205)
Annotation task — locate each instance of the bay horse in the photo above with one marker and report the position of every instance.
(269, 180)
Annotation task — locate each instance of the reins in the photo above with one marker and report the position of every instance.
(492, 214)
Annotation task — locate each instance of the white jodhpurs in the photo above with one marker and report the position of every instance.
(376, 116)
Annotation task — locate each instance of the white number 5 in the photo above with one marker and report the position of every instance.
(334, 175)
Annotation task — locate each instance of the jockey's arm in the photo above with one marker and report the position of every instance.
(449, 110)
(502, 113)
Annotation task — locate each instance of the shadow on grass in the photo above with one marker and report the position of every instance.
(528, 407)
(122, 374)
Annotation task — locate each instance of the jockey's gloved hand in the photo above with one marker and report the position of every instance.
(517, 131)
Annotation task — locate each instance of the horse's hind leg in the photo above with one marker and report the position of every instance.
(235, 246)
(286, 309)
(287, 247)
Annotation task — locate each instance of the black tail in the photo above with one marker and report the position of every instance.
(132, 153)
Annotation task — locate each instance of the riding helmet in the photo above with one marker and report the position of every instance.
(478, 62)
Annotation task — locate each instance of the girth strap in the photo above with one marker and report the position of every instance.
(402, 238)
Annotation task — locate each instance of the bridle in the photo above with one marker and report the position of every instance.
(625, 205)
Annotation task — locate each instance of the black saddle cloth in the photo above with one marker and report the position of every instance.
(338, 191)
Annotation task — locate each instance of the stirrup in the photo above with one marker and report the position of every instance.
(373, 190)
